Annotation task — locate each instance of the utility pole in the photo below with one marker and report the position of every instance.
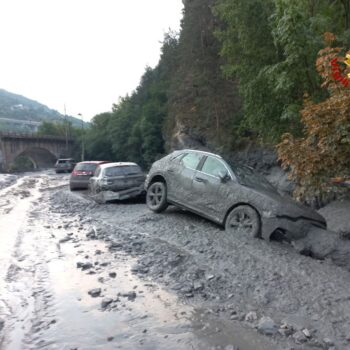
(82, 138)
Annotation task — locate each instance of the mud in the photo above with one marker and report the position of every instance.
(158, 281)
(232, 277)
(66, 284)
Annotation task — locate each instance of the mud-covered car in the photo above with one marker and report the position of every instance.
(64, 165)
(231, 195)
(79, 178)
(117, 181)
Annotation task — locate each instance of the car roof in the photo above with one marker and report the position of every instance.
(94, 162)
(198, 151)
(110, 165)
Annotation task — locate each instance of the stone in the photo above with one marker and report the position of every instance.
(105, 302)
(299, 337)
(112, 275)
(251, 316)
(210, 277)
(95, 292)
(307, 333)
(328, 342)
(130, 295)
(267, 326)
(65, 239)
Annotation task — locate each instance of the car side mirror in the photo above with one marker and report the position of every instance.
(223, 175)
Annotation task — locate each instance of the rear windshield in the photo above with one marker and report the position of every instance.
(64, 161)
(86, 167)
(122, 170)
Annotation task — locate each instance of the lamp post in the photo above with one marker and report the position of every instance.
(82, 138)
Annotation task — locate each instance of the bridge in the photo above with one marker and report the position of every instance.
(43, 151)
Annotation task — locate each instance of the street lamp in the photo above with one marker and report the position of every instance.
(82, 138)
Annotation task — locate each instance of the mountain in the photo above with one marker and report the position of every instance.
(20, 114)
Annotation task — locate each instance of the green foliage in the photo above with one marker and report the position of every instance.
(133, 130)
(271, 47)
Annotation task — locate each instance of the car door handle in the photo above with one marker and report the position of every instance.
(200, 179)
(171, 171)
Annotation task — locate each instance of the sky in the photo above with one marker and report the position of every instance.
(81, 55)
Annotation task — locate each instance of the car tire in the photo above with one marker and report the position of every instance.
(72, 188)
(156, 197)
(243, 219)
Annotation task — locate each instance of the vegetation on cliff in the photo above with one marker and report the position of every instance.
(238, 71)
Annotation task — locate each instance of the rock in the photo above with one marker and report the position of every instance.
(267, 326)
(112, 275)
(84, 265)
(328, 342)
(91, 234)
(2, 323)
(115, 245)
(307, 333)
(130, 295)
(95, 292)
(110, 338)
(105, 302)
(299, 337)
(197, 286)
(210, 277)
(65, 239)
(231, 347)
(251, 316)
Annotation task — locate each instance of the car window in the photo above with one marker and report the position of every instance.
(131, 169)
(86, 167)
(191, 160)
(213, 166)
(114, 171)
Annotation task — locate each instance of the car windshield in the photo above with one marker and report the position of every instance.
(122, 170)
(86, 167)
(249, 177)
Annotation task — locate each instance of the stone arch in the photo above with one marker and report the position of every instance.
(40, 157)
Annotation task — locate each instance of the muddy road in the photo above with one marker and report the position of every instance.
(80, 275)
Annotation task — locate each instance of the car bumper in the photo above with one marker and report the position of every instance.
(106, 196)
(294, 228)
(79, 183)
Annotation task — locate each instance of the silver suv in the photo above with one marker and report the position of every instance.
(117, 181)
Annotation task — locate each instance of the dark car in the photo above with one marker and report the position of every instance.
(117, 181)
(231, 195)
(79, 178)
(65, 165)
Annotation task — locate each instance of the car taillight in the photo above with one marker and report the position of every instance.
(74, 173)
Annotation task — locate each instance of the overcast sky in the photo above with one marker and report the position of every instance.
(84, 54)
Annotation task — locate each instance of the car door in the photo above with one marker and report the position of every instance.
(181, 186)
(207, 188)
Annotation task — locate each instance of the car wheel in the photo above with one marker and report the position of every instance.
(156, 197)
(243, 220)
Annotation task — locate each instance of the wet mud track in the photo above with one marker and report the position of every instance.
(78, 275)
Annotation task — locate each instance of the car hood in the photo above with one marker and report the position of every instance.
(284, 206)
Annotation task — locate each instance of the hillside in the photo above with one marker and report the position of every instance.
(20, 114)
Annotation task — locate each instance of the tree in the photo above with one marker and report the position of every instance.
(324, 150)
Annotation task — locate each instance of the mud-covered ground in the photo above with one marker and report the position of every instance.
(80, 275)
